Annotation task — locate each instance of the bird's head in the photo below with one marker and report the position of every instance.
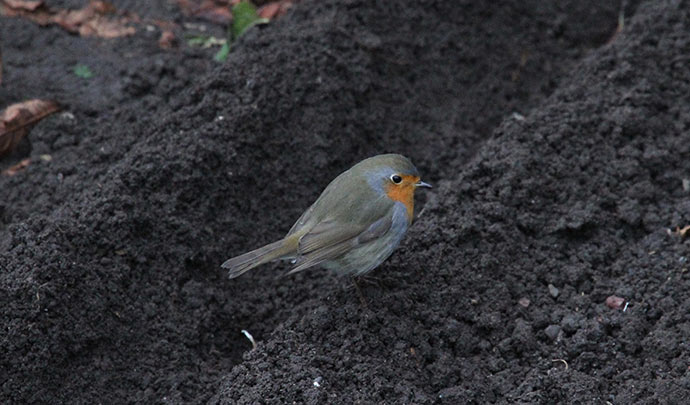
(393, 175)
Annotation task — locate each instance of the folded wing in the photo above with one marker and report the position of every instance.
(330, 239)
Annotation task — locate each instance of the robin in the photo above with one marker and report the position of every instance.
(354, 225)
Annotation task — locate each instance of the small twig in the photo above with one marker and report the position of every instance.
(562, 361)
(621, 22)
(250, 337)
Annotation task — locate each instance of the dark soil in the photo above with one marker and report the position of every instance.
(558, 147)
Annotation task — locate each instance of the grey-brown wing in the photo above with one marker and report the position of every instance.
(303, 219)
(328, 197)
(329, 240)
(363, 207)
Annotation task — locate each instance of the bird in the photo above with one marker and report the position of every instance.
(355, 224)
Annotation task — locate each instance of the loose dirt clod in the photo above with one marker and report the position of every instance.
(615, 302)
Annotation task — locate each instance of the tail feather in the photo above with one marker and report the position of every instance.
(243, 263)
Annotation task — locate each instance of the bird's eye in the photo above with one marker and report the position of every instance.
(396, 179)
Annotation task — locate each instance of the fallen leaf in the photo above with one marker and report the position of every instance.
(274, 9)
(215, 11)
(614, 302)
(167, 39)
(23, 5)
(35, 11)
(12, 170)
(96, 19)
(16, 121)
(682, 232)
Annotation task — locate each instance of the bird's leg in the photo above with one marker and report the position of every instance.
(371, 280)
(359, 293)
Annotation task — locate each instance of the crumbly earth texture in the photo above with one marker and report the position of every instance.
(558, 140)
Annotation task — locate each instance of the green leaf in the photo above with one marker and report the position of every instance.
(197, 40)
(244, 17)
(83, 71)
(204, 41)
(222, 55)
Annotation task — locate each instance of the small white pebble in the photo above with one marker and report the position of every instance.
(67, 115)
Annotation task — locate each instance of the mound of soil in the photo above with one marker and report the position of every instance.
(557, 138)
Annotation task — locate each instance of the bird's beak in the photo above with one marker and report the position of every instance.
(422, 184)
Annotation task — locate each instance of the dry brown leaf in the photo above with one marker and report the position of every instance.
(96, 19)
(615, 302)
(12, 170)
(16, 121)
(219, 11)
(216, 11)
(682, 232)
(23, 5)
(35, 11)
(167, 39)
(274, 9)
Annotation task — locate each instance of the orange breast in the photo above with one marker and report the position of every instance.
(404, 192)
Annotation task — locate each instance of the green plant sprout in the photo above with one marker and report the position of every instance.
(244, 16)
(83, 71)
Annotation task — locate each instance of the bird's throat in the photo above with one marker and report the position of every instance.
(404, 194)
